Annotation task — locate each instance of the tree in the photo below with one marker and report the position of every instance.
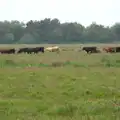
(98, 34)
(52, 31)
(27, 39)
(116, 31)
(17, 29)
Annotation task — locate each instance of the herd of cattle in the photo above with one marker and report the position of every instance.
(36, 50)
(29, 50)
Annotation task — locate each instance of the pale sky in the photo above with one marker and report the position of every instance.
(105, 12)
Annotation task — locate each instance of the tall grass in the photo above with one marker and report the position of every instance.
(104, 62)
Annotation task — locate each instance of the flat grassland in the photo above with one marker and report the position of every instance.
(70, 85)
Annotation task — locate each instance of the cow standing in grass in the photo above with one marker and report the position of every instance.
(22, 50)
(53, 49)
(117, 49)
(39, 49)
(31, 50)
(7, 51)
(91, 49)
(109, 49)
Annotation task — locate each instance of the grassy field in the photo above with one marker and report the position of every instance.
(67, 86)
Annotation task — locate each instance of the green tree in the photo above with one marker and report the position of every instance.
(116, 31)
(52, 31)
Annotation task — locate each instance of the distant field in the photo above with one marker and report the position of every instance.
(61, 45)
(70, 85)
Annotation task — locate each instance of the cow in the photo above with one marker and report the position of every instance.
(7, 51)
(117, 49)
(21, 50)
(91, 49)
(40, 49)
(53, 49)
(31, 50)
(109, 49)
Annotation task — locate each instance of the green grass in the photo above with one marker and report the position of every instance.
(67, 86)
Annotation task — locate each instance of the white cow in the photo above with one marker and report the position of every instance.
(53, 49)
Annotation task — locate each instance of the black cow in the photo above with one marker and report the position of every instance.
(21, 50)
(31, 50)
(7, 51)
(40, 49)
(90, 49)
(117, 49)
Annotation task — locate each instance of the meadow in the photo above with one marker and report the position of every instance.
(71, 85)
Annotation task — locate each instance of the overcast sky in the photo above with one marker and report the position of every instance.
(105, 12)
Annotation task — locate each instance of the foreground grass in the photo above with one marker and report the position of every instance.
(67, 92)
(59, 93)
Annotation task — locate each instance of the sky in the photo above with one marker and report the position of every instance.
(105, 12)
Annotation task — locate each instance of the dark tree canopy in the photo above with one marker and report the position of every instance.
(52, 31)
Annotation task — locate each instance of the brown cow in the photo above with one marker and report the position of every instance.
(109, 49)
(7, 51)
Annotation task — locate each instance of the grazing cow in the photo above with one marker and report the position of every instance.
(7, 51)
(31, 50)
(90, 49)
(109, 49)
(53, 49)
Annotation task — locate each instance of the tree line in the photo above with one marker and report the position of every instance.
(51, 31)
